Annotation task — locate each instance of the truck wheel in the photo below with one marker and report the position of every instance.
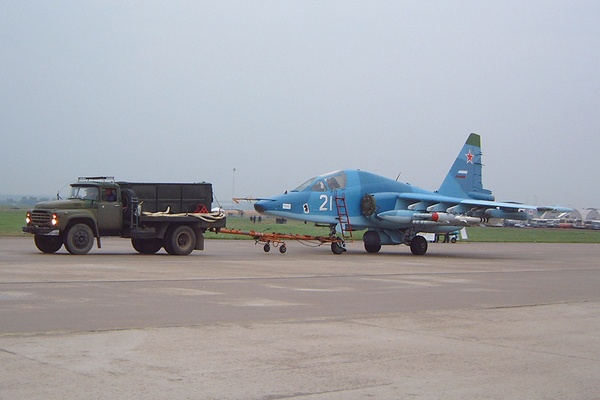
(146, 246)
(180, 241)
(79, 239)
(48, 244)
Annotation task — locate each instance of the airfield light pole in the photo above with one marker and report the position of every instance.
(233, 189)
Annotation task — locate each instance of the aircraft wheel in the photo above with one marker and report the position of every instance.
(337, 248)
(282, 249)
(418, 245)
(372, 241)
(267, 247)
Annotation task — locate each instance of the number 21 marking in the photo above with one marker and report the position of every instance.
(326, 200)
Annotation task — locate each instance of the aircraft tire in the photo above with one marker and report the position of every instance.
(372, 242)
(373, 249)
(337, 248)
(418, 245)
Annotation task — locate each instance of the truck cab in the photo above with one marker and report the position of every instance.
(103, 200)
(93, 209)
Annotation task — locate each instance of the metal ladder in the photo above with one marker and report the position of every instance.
(344, 218)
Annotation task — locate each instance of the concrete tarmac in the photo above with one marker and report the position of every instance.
(465, 321)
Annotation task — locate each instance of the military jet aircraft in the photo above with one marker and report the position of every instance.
(394, 212)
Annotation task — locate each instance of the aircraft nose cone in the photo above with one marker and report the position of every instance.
(259, 207)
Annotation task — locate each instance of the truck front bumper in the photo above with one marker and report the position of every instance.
(36, 230)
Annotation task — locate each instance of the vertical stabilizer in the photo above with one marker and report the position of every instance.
(464, 177)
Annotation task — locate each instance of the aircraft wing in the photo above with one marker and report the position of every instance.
(466, 206)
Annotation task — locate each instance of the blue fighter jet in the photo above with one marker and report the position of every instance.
(395, 212)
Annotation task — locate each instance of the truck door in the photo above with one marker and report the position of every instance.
(110, 216)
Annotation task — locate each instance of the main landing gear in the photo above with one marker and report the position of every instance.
(372, 243)
(418, 245)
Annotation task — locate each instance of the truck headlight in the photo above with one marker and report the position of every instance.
(54, 220)
(28, 218)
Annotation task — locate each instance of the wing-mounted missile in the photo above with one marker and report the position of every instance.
(404, 217)
(407, 217)
(459, 220)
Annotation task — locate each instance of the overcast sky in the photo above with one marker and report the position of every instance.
(184, 91)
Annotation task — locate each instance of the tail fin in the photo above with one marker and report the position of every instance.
(464, 178)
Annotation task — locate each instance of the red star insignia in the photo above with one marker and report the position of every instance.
(469, 157)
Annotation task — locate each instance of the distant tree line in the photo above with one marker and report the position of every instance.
(25, 201)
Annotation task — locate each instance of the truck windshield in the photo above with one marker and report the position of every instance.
(84, 192)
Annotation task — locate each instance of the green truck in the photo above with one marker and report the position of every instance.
(173, 216)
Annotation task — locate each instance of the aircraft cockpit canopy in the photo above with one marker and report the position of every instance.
(304, 185)
(332, 181)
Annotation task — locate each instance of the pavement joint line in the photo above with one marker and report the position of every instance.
(326, 276)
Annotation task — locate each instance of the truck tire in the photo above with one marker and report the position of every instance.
(127, 196)
(48, 244)
(147, 246)
(180, 240)
(79, 239)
